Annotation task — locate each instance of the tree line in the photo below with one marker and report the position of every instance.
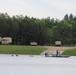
(46, 31)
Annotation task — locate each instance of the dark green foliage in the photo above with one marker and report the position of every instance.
(24, 29)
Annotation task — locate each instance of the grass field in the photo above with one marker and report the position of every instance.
(71, 52)
(11, 49)
(35, 50)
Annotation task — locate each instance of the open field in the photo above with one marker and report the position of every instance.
(14, 49)
(35, 50)
(71, 52)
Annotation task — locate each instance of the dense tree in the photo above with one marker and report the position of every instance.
(66, 17)
(24, 29)
(71, 17)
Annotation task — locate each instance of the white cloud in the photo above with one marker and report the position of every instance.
(61, 7)
(38, 8)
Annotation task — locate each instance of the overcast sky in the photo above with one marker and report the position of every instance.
(38, 8)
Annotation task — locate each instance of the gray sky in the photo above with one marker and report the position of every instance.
(38, 8)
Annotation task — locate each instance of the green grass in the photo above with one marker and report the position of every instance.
(11, 49)
(71, 52)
